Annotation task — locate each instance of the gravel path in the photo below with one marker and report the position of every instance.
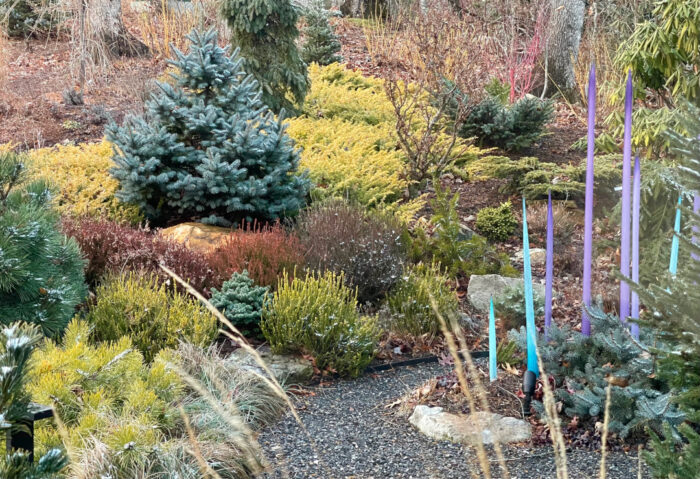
(356, 437)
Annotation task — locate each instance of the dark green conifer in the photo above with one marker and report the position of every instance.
(208, 148)
(321, 44)
(266, 33)
(241, 301)
(41, 271)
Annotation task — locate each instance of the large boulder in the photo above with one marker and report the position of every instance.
(197, 236)
(483, 287)
(471, 429)
(286, 369)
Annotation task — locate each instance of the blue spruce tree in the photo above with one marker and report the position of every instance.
(208, 149)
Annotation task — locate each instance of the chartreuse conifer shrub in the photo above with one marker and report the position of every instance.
(41, 271)
(321, 44)
(414, 304)
(266, 32)
(672, 304)
(152, 315)
(317, 315)
(497, 223)
(583, 367)
(208, 149)
(17, 341)
(241, 301)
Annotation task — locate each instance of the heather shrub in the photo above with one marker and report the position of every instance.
(422, 289)
(80, 176)
(264, 251)
(497, 223)
(41, 271)
(150, 313)
(366, 247)
(240, 300)
(317, 315)
(111, 247)
(208, 149)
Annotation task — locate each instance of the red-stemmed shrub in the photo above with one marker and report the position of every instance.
(264, 251)
(111, 247)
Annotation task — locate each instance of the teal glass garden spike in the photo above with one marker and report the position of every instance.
(675, 243)
(530, 333)
(493, 366)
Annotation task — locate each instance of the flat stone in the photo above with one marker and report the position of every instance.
(197, 236)
(483, 287)
(286, 369)
(471, 429)
(538, 256)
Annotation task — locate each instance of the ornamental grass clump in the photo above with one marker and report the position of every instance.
(318, 315)
(151, 313)
(41, 271)
(366, 247)
(423, 292)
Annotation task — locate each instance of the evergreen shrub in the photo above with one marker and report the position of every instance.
(113, 248)
(240, 300)
(321, 44)
(264, 251)
(209, 149)
(411, 301)
(583, 367)
(510, 308)
(366, 247)
(24, 18)
(41, 271)
(317, 315)
(154, 317)
(80, 176)
(497, 223)
(17, 341)
(266, 32)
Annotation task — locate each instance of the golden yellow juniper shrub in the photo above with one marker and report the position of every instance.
(80, 175)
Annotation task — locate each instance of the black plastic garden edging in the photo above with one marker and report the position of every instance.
(415, 361)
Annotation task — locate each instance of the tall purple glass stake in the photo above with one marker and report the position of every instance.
(549, 269)
(588, 226)
(625, 228)
(696, 229)
(636, 200)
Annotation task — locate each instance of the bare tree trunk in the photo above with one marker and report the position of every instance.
(108, 31)
(566, 25)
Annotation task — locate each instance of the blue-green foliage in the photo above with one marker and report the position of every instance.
(241, 301)
(208, 149)
(41, 271)
(583, 367)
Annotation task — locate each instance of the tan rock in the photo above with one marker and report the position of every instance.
(197, 236)
(483, 427)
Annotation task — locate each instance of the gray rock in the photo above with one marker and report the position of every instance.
(481, 426)
(483, 287)
(287, 369)
(538, 256)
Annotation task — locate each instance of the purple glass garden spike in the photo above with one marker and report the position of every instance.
(696, 229)
(549, 268)
(636, 200)
(588, 222)
(626, 196)
(493, 365)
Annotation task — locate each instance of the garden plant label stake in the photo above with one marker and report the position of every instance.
(530, 377)
(549, 266)
(636, 199)
(588, 220)
(493, 366)
(625, 225)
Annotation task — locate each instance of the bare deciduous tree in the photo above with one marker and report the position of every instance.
(566, 25)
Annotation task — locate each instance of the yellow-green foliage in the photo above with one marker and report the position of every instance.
(348, 141)
(413, 303)
(103, 391)
(82, 181)
(318, 315)
(150, 314)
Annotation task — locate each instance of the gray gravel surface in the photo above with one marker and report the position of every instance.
(355, 436)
